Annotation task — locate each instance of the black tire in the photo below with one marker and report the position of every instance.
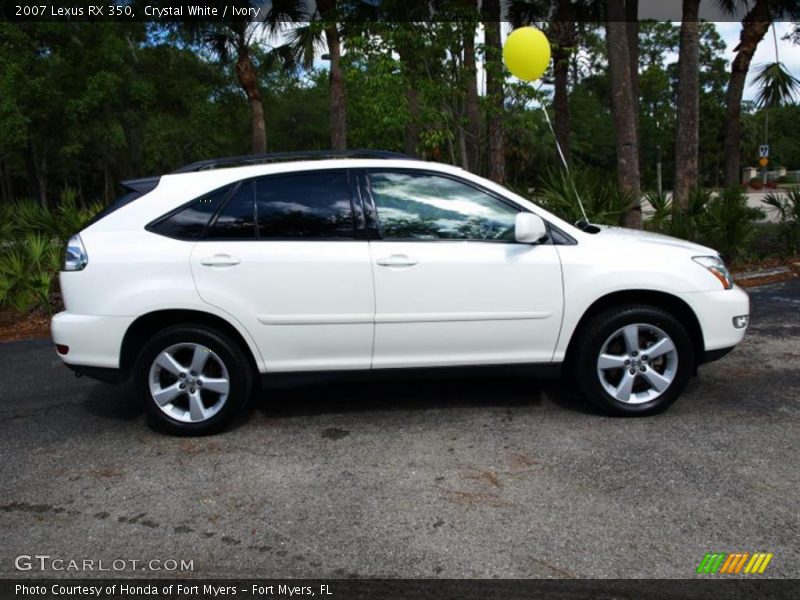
(223, 350)
(594, 335)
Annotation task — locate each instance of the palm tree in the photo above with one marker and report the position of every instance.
(495, 95)
(624, 108)
(777, 86)
(338, 102)
(472, 114)
(755, 25)
(464, 15)
(563, 32)
(687, 127)
(232, 40)
(302, 47)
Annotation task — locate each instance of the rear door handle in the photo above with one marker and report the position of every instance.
(397, 260)
(220, 260)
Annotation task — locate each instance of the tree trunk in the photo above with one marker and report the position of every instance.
(337, 94)
(563, 32)
(494, 90)
(411, 133)
(5, 183)
(248, 80)
(687, 128)
(754, 27)
(472, 114)
(39, 164)
(561, 102)
(623, 110)
(632, 22)
(410, 66)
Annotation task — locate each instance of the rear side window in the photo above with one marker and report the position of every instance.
(304, 205)
(189, 222)
(237, 220)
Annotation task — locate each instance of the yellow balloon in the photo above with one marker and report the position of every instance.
(527, 53)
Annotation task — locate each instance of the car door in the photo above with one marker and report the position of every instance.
(284, 257)
(452, 286)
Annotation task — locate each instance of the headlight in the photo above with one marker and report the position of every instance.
(717, 268)
(75, 257)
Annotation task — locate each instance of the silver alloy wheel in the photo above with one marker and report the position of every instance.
(189, 382)
(637, 363)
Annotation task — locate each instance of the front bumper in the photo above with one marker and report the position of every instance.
(715, 312)
(93, 341)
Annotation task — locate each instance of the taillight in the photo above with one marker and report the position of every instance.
(75, 257)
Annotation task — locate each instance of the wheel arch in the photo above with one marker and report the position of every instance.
(672, 304)
(148, 324)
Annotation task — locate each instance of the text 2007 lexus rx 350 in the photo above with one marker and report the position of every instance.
(199, 281)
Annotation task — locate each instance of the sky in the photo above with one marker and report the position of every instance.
(788, 52)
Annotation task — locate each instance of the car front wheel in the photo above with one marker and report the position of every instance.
(192, 380)
(634, 360)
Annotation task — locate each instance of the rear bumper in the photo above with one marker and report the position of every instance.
(99, 373)
(92, 341)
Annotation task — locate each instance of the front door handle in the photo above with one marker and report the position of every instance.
(397, 260)
(220, 260)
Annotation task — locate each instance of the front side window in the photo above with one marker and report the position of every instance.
(423, 206)
(189, 222)
(304, 205)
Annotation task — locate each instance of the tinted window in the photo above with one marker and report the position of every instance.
(237, 220)
(305, 205)
(430, 207)
(189, 222)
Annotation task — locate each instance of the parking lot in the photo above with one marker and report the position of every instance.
(482, 477)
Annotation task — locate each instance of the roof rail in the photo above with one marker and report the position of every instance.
(249, 159)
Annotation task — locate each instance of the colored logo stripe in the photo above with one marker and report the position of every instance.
(758, 563)
(711, 562)
(733, 563)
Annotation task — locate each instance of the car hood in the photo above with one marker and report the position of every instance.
(623, 234)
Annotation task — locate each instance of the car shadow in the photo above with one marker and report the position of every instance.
(416, 393)
(298, 397)
(115, 402)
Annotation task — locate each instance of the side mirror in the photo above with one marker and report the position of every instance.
(529, 228)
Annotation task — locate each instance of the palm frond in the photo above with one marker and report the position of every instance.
(777, 86)
(305, 41)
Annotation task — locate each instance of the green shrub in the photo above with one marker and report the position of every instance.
(605, 202)
(32, 240)
(661, 204)
(727, 224)
(64, 220)
(787, 205)
(667, 218)
(28, 272)
(688, 224)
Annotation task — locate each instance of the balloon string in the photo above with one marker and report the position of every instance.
(564, 160)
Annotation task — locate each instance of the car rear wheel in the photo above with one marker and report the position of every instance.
(192, 380)
(633, 360)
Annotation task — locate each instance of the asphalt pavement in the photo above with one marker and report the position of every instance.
(482, 477)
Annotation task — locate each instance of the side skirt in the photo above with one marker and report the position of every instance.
(293, 379)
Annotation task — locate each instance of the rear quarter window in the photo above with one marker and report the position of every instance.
(189, 221)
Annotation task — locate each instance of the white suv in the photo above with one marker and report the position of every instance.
(197, 282)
